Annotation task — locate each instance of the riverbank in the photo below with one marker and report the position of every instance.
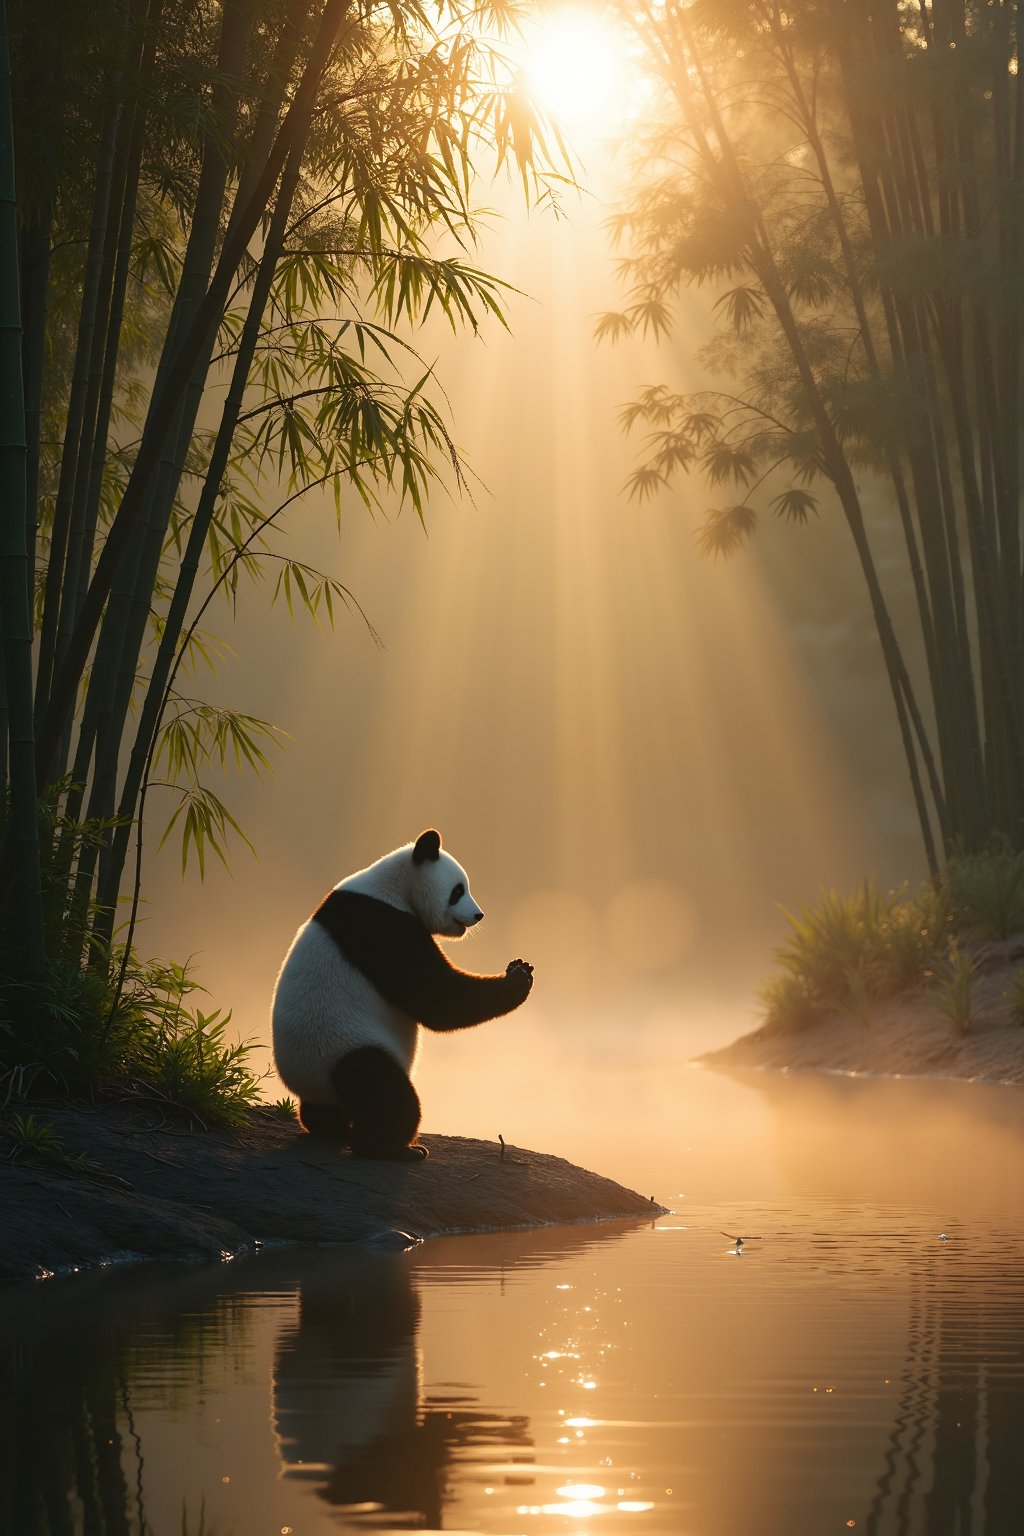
(903, 1036)
(154, 1188)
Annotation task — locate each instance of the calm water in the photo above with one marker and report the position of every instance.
(849, 1370)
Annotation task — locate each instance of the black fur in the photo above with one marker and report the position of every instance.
(326, 1120)
(379, 1102)
(377, 1112)
(428, 846)
(397, 955)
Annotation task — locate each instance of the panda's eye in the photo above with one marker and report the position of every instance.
(458, 891)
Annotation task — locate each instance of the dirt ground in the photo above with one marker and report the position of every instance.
(156, 1188)
(906, 1036)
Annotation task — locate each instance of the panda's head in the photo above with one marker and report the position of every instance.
(439, 889)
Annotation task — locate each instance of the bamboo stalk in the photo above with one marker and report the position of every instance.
(169, 655)
(26, 889)
(162, 415)
(61, 524)
(122, 632)
(837, 467)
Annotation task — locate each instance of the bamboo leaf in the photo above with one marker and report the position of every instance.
(725, 529)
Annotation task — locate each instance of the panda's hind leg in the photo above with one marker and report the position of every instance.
(328, 1121)
(380, 1103)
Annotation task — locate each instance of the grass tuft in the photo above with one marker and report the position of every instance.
(845, 954)
(66, 1035)
(1014, 995)
(38, 1140)
(952, 990)
(986, 892)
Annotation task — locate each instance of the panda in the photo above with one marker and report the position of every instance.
(360, 977)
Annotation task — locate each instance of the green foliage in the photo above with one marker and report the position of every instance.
(838, 937)
(845, 954)
(188, 1061)
(952, 991)
(36, 1137)
(69, 1034)
(986, 892)
(29, 1137)
(294, 197)
(788, 1004)
(916, 929)
(1015, 997)
(725, 529)
(286, 1109)
(846, 182)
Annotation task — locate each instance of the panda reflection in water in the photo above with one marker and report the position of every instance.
(360, 977)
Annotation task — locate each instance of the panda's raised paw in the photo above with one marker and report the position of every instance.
(519, 965)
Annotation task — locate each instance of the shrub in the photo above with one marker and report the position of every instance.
(846, 953)
(68, 1034)
(830, 941)
(985, 892)
(1015, 997)
(788, 1005)
(913, 935)
(952, 992)
(37, 1139)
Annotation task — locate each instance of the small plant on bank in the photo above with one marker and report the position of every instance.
(29, 1137)
(985, 892)
(913, 936)
(1014, 995)
(286, 1109)
(35, 1137)
(860, 998)
(191, 1065)
(952, 991)
(847, 953)
(788, 1005)
(72, 1034)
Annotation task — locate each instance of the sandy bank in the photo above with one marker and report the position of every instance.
(159, 1190)
(905, 1036)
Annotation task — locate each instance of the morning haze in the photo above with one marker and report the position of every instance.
(572, 695)
(698, 640)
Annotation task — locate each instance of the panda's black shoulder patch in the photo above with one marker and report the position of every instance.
(399, 958)
(386, 945)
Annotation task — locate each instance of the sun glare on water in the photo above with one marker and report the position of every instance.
(575, 68)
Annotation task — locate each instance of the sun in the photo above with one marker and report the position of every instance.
(574, 65)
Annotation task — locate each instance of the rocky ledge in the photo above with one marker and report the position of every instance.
(125, 1183)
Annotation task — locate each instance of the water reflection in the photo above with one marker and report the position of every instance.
(350, 1411)
(853, 1371)
(955, 1440)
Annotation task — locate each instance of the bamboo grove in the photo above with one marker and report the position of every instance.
(220, 221)
(849, 177)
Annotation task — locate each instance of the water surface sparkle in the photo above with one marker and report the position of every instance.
(863, 1368)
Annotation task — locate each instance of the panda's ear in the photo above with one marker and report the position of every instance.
(428, 846)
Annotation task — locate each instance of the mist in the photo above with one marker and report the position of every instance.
(638, 754)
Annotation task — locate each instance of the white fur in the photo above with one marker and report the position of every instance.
(324, 1007)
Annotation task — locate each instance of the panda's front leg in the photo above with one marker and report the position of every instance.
(380, 1103)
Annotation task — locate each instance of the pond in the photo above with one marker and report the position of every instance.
(857, 1364)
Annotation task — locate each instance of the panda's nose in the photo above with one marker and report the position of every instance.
(477, 918)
